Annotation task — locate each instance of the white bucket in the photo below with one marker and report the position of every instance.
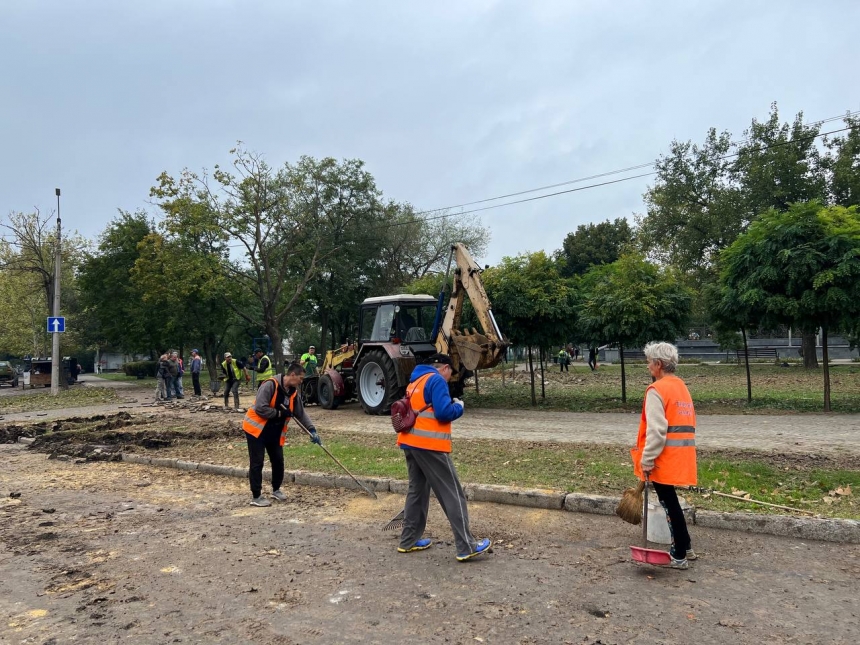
(658, 524)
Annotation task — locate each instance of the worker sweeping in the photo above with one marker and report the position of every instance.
(666, 445)
(265, 427)
(427, 447)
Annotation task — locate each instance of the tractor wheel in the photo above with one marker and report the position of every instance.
(309, 390)
(325, 394)
(377, 383)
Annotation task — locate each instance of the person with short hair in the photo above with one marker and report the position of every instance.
(162, 378)
(196, 367)
(309, 361)
(427, 448)
(265, 427)
(263, 366)
(231, 374)
(180, 370)
(666, 445)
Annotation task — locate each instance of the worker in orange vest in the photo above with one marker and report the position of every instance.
(265, 427)
(427, 447)
(666, 445)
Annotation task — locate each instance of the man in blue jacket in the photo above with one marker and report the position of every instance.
(427, 447)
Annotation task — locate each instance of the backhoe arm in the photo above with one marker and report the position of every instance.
(475, 350)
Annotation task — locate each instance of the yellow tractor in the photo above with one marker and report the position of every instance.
(397, 332)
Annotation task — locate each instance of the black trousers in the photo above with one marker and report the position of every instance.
(195, 380)
(677, 524)
(563, 367)
(268, 442)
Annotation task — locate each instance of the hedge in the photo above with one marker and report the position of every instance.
(147, 367)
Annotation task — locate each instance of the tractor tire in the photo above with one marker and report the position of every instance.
(377, 383)
(309, 390)
(325, 394)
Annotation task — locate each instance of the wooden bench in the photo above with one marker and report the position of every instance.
(758, 352)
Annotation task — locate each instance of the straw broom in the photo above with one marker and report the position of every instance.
(630, 507)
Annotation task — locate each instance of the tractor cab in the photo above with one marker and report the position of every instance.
(403, 319)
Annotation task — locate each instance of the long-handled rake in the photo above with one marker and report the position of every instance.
(336, 460)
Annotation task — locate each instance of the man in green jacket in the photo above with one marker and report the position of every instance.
(309, 361)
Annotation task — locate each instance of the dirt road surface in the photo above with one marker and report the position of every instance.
(101, 552)
(801, 433)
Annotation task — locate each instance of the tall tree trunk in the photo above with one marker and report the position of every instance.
(810, 354)
(623, 374)
(824, 358)
(542, 377)
(324, 320)
(532, 375)
(277, 347)
(747, 363)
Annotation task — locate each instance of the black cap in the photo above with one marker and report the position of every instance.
(439, 359)
(259, 351)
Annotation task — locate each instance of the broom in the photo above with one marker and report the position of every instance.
(630, 507)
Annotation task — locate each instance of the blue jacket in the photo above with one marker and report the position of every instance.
(436, 392)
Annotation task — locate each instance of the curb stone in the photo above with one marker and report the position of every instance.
(532, 498)
(805, 528)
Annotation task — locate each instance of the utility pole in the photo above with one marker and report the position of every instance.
(56, 359)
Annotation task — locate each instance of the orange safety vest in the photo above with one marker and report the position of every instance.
(428, 433)
(253, 423)
(676, 465)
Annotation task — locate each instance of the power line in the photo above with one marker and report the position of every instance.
(604, 174)
(616, 181)
(417, 219)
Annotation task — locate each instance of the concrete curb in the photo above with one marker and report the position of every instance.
(804, 528)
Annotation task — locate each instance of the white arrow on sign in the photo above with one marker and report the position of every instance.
(56, 325)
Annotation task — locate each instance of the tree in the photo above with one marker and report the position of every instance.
(181, 281)
(125, 319)
(27, 268)
(532, 302)
(779, 164)
(594, 244)
(800, 267)
(843, 165)
(693, 208)
(631, 302)
(285, 223)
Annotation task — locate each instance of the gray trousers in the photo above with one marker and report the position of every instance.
(435, 470)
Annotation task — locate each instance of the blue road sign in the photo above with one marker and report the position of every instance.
(56, 324)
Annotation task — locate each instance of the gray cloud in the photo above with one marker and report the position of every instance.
(447, 103)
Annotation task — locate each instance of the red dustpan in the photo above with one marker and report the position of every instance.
(643, 553)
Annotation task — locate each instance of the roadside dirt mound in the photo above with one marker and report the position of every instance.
(122, 432)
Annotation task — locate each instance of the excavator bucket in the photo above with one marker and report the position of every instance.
(477, 352)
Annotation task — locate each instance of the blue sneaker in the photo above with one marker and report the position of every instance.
(482, 547)
(420, 545)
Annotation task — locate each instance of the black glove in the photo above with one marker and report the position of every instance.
(315, 438)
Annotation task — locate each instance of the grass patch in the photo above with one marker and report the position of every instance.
(716, 389)
(120, 376)
(75, 397)
(803, 481)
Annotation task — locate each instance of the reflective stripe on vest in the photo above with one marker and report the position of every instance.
(429, 433)
(269, 372)
(676, 465)
(253, 423)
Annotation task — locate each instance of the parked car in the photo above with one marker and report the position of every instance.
(8, 373)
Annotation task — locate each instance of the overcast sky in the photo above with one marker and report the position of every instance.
(446, 102)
